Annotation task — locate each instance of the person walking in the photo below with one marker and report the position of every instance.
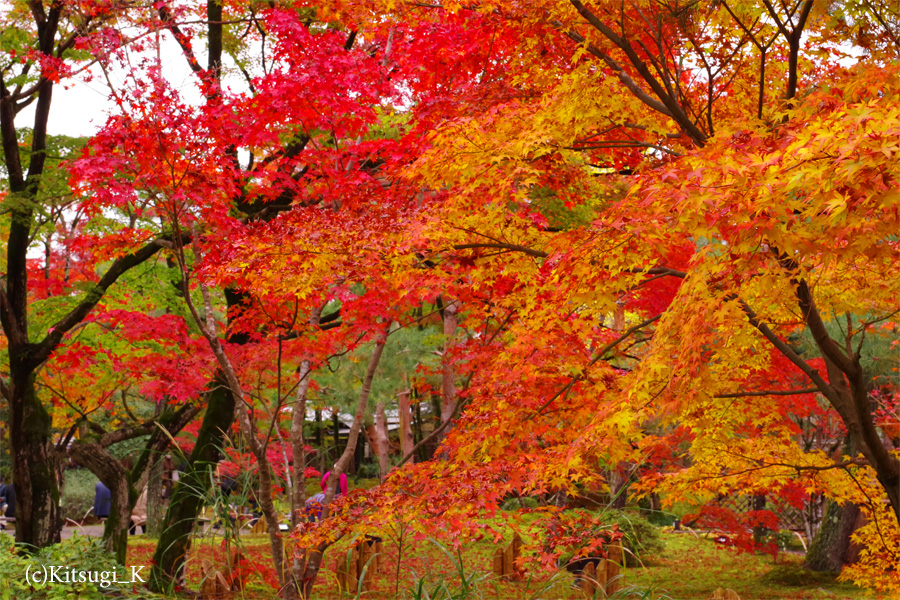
(102, 501)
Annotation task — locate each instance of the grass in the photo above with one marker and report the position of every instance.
(688, 568)
(694, 567)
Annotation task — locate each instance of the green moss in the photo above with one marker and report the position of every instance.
(693, 567)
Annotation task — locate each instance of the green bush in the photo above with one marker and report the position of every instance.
(662, 518)
(75, 556)
(77, 493)
(517, 504)
(368, 470)
(642, 538)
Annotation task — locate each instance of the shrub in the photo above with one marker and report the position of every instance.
(77, 553)
(642, 538)
(77, 493)
(517, 503)
(368, 470)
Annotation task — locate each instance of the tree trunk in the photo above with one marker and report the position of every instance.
(34, 462)
(812, 516)
(34, 457)
(320, 439)
(155, 504)
(267, 506)
(359, 455)
(406, 435)
(380, 440)
(298, 444)
(418, 429)
(436, 411)
(114, 476)
(618, 488)
(187, 498)
(828, 547)
(759, 503)
(854, 549)
(337, 431)
(313, 558)
(448, 374)
(115, 531)
(827, 551)
(155, 488)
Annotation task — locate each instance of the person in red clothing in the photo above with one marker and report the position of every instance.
(315, 504)
(342, 484)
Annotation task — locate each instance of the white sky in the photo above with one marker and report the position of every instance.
(78, 111)
(80, 108)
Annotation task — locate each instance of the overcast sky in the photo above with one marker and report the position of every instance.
(80, 108)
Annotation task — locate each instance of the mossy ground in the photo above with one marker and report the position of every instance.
(689, 568)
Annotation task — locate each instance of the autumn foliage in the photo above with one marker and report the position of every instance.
(668, 231)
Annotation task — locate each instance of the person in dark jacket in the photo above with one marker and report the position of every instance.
(102, 501)
(8, 497)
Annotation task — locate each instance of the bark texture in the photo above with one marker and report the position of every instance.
(189, 492)
(382, 444)
(407, 442)
(832, 542)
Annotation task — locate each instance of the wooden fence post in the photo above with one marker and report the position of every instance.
(516, 551)
(340, 569)
(589, 579)
(215, 584)
(353, 571)
(505, 559)
(614, 569)
(366, 552)
(508, 562)
(259, 527)
(606, 575)
(498, 562)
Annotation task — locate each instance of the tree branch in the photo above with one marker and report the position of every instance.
(503, 246)
(434, 434)
(624, 77)
(792, 356)
(575, 379)
(181, 39)
(45, 347)
(675, 111)
(768, 393)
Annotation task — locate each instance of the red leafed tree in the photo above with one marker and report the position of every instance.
(308, 152)
(651, 203)
(95, 383)
(44, 53)
(627, 216)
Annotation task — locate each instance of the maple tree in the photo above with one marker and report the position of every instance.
(626, 216)
(205, 184)
(112, 382)
(40, 48)
(722, 248)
